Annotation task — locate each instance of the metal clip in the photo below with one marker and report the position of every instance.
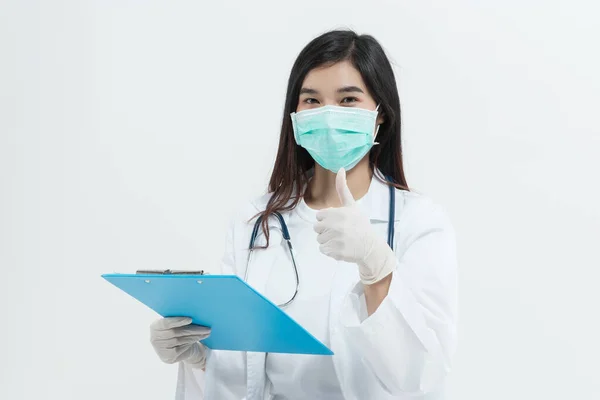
(168, 272)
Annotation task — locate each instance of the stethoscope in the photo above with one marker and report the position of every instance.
(286, 236)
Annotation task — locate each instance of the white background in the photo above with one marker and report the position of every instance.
(131, 130)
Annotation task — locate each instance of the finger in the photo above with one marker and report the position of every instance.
(174, 355)
(170, 323)
(324, 213)
(342, 189)
(327, 213)
(327, 250)
(173, 343)
(188, 352)
(326, 236)
(191, 330)
(320, 227)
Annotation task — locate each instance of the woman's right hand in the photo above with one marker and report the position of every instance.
(175, 339)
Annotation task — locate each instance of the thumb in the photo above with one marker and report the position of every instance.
(342, 189)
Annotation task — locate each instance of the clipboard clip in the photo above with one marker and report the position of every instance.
(168, 272)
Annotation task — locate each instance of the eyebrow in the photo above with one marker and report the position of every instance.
(308, 91)
(350, 89)
(345, 89)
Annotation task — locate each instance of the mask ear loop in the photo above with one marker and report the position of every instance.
(376, 129)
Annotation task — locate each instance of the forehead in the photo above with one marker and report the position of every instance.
(334, 76)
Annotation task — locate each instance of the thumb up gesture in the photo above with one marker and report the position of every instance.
(346, 234)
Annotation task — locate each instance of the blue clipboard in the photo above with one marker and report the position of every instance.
(240, 318)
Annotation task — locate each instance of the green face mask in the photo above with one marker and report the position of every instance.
(336, 137)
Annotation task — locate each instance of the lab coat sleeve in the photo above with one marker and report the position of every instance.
(406, 345)
(191, 381)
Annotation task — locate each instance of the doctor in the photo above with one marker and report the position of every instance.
(376, 269)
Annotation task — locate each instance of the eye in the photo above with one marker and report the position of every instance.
(349, 100)
(311, 100)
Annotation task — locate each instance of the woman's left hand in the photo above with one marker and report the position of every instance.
(346, 234)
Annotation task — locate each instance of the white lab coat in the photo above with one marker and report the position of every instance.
(403, 350)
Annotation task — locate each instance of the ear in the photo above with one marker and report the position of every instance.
(380, 118)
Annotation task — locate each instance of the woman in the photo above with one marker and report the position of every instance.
(387, 309)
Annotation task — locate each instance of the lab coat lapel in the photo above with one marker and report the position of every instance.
(255, 362)
(344, 279)
(259, 269)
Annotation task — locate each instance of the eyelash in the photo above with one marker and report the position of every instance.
(310, 100)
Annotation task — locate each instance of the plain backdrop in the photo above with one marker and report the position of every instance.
(131, 130)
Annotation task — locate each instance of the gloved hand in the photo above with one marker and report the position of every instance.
(175, 339)
(346, 234)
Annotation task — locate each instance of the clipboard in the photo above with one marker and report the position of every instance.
(240, 318)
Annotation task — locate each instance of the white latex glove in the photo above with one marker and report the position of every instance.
(346, 234)
(175, 339)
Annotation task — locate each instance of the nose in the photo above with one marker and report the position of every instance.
(330, 102)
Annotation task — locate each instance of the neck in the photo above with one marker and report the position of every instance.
(321, 192)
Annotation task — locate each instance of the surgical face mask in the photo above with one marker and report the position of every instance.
(336, 137)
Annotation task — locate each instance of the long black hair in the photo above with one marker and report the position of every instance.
(290, 173)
